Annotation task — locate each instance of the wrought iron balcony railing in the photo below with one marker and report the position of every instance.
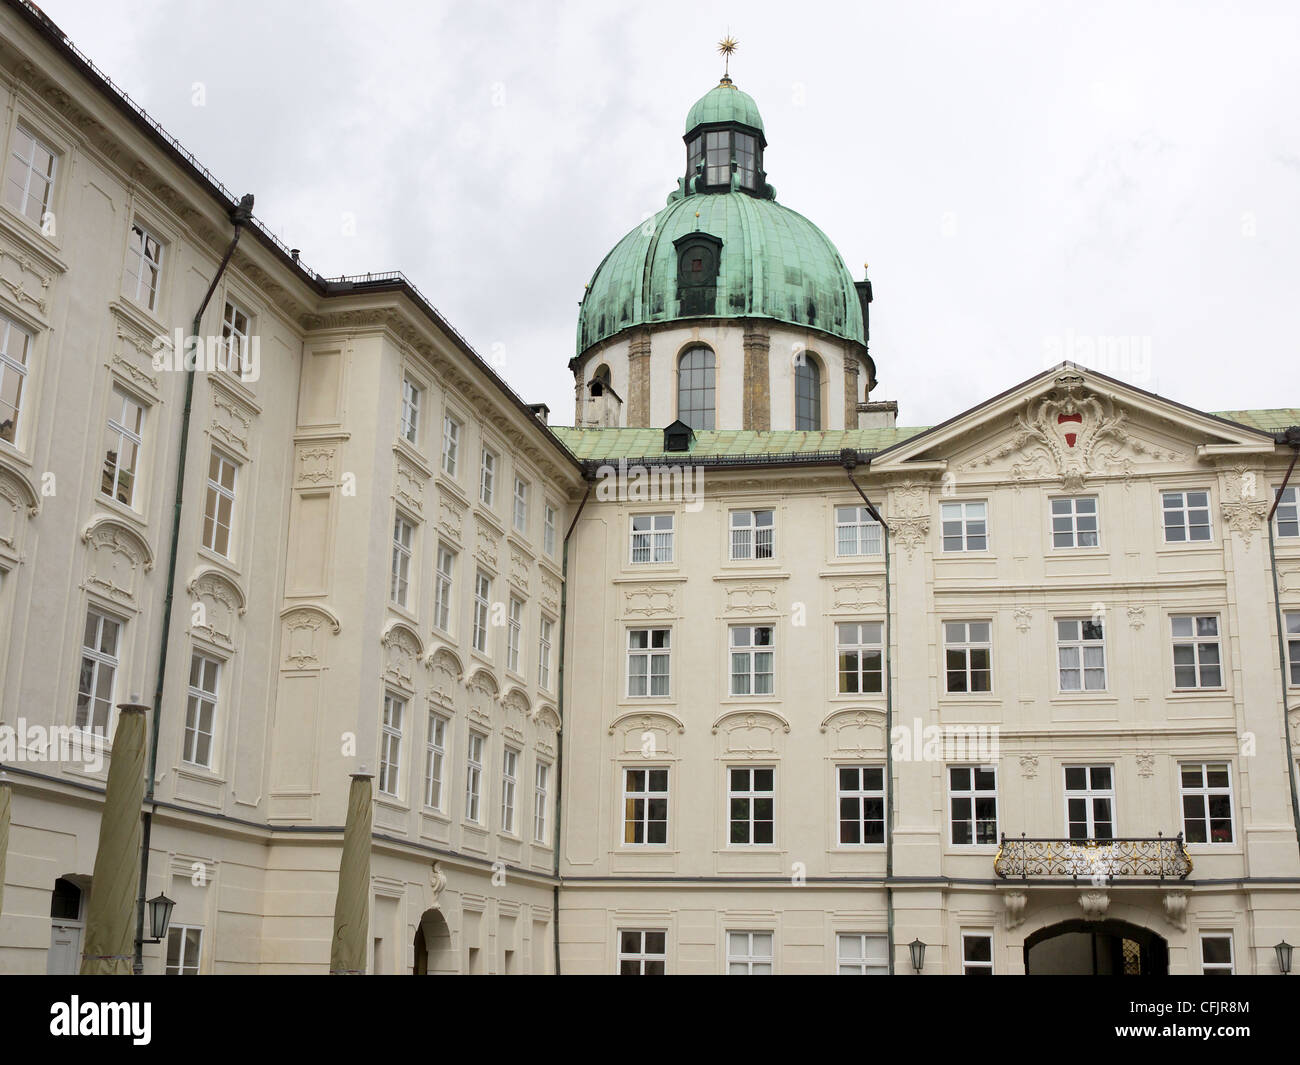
(1160, 857)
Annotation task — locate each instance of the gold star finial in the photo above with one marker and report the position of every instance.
(726, 47)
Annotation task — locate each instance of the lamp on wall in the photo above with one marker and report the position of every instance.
(1283, 951)
(918, 954)
(160, 916)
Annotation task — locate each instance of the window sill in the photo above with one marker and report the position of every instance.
(435, 814)
(392, 802)
(403, 613)
(28, 232)
(122, 509)
(226, 563)
(412, 453)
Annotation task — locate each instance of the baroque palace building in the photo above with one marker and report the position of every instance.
(734, 675)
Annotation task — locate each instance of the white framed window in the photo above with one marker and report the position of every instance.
(976, 954)
(201, 710)
(474, 778)
(412, 396)
(968, 656)
(144, 253)
(1186, 516)
(29, 177)
(1081, 654)
(390, 744)
(1287, 515)
(521, 505)
(548, 530)
(1216, 954)
(545, 627)
(15, 346)
(1206, 792)
(509, 788)
(487, 477)
(1089, 802)
(753, 659)
(860, 654)
(124, 441)
(514, 634)
(652, 538)
(443, 585)
(751, 805)
(400, 571)
(752, 534)
(219, 506)
(482, 610)
(645, 806)
(860, 799)
(184, 950)
(965, 526)
(1292, 622)
(649, 662)
(234, 338)
(642, 952)
(450, 445)
(1197, 662)
(435, 762)
(973, 804)
(98, 676)
(857, 533)
(1074, 522)
(541, 800)
(859, 954)
(749, 953)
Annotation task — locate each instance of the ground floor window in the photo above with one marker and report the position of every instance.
(861, 955)
(1216, 954)
(976, 954)
(184, 949)
(642, 952)
(749, 953)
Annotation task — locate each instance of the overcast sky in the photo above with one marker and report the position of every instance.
(1025, 180)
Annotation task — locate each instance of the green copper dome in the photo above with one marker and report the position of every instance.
(724, 103)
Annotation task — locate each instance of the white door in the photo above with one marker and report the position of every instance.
(65, 950)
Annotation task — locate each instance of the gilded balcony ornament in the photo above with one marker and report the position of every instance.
(1100, 861)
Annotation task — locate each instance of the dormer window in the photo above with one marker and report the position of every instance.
(699, 256)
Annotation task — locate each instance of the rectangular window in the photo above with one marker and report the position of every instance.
(1074, 522)
(649, 662)
(1216, 954)
(487, 477)
(749, 953)
(860, 652)
(509, 786)
(856, 532)
(125, 438)
(184, 950)
(234, 339)
(29, 178)
(965, 526)
(541, 798)
(645, 806)
(450, 444)
(201, 711)
(1081, 654)
(968, 656)
(1196, 651)
(976, 954)
(861, 955)
(860, 790)
(411, 396)
(219, 507)
(1287, 514)
(652, 538)
(717, 149)
(641, 953)
(99, 662)
(474, 778)
(1292, 622)
(973, 804)
(15, 343)
(390, 744)
(1207, 802)
(482, 610)
(442, 588)
(400, 575)
(514, 633)
(752, 534)
(1187, 516)
(144, 254)
(751, 800)
(544, 629)
(548, 529)
(752, 660)
(1089, 802)
(435, 760)
(521, 505)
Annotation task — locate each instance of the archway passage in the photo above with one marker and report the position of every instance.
(433, 954)
(1096, 948)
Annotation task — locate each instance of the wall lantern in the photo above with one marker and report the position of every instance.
(918, 954)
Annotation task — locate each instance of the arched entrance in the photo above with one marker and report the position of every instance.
(433, 955)
(1096, 948)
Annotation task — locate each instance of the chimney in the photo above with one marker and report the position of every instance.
(541, 412)
(878, 414)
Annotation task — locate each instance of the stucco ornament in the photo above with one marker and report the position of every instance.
(1244, 507)
(1094, 904)
(1015, 902)
(1175, 903)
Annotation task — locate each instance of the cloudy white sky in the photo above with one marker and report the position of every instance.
(1024, 179)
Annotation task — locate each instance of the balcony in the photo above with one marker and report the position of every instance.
(1097, 860)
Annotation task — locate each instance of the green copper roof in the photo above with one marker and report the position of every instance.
(774, 264)
(1273, 420)
(724, 103)
(613, 444)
